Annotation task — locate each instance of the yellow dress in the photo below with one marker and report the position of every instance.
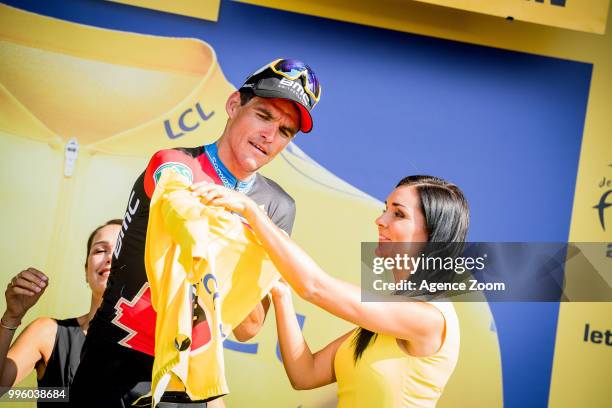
(387, 377)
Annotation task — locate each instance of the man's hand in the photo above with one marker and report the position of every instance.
(214, 194)
(22, 292)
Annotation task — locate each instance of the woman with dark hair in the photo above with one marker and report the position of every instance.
(52, 347)
(403, 352)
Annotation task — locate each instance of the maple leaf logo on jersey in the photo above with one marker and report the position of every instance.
(137, 317)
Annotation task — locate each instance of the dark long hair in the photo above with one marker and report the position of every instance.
(447, 217)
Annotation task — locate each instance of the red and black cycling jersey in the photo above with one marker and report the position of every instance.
(126, 316)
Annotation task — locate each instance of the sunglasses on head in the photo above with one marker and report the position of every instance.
(293, 70)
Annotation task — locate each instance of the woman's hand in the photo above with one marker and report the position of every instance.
(214, 194)
(22, 292)
(280, 290)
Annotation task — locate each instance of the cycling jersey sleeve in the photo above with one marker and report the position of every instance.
(285, 218)
(183, 164)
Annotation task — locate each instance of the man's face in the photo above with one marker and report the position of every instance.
(258, 131)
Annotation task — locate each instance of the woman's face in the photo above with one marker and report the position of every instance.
(402, 220)
(100, 256)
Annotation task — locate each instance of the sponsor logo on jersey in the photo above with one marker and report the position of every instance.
(224, 180)
(137, 318)
(180, 168)
(127, 220)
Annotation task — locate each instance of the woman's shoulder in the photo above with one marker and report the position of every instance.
(446, 307)
(43, 325)
(44, 329)
(41, 334)
(451, 332)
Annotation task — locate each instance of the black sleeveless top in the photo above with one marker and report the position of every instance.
(64, 360)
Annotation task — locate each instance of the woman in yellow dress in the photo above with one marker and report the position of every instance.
(403, 352)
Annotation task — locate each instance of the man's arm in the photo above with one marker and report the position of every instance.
(251, 325)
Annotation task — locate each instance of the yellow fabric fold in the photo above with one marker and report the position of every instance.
(206, 271)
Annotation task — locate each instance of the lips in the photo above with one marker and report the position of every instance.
(104, 272)
(258, 147)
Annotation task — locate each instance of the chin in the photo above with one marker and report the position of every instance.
(382, 251)
(101, 286)
(251, 164)
(389, 249)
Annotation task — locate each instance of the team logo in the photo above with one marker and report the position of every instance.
(296, 88)
(180, 168)
(137, 318)
(127, 219)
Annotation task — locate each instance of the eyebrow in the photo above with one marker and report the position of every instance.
(265, 111)
(100, 242)
(288, 129)
(396, 204)
(282, 128)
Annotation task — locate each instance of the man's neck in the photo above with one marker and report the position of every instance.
(229, 161)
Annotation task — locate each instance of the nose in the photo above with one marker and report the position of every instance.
(268, 132)
(380, 221)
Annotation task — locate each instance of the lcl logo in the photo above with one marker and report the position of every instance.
(188, 121)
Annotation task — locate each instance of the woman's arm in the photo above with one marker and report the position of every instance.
(417, 322)
(304, 369)
(21, 294)
(35, 343)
